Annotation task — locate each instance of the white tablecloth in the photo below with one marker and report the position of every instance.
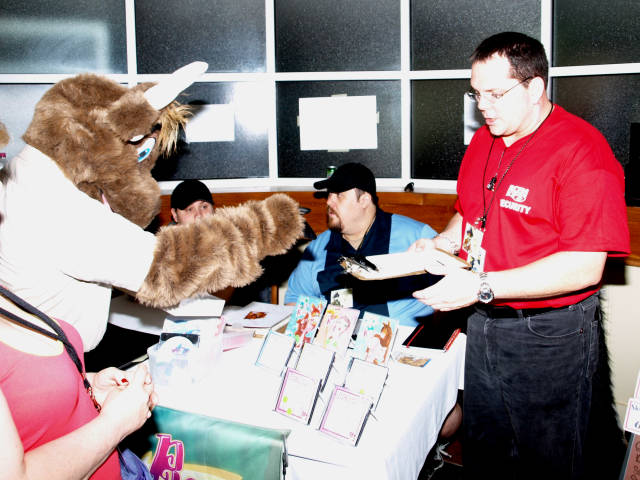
(394, 443)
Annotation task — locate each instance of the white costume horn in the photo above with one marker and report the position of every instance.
(165, 91)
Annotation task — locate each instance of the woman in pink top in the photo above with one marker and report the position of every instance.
(50, 427)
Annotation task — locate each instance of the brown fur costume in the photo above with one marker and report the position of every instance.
(85, 124)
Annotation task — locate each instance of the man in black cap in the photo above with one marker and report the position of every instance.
(357, 226)
(190, 200)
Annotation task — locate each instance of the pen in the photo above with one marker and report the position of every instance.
(451, 340)
(362, 260)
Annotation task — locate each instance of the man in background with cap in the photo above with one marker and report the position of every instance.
(190, 200)
(357, 226)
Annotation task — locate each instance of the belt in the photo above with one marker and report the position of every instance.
(508, 312)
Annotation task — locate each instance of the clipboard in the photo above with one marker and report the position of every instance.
(403, 264)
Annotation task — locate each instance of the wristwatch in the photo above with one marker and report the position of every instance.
(485, 294)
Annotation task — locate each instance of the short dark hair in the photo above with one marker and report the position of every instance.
(525, 54)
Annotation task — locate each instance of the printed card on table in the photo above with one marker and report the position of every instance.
(315, 361)
(336, 328)
(632, 418)
(345, 415)
(375, 338)
(366, 379)
(413, 356)
(275, 351)
(305, 319)
(298, 395)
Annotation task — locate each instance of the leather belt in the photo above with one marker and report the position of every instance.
(508, 312)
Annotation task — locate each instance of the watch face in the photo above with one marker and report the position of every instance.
(485, 295)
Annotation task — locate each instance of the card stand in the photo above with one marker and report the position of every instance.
(366, 379)
(297, 396)
(275, 352)
(346, 415)
(316, 361)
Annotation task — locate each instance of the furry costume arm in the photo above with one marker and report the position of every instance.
(219, 251)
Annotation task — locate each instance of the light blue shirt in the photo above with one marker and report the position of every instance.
(404, 231)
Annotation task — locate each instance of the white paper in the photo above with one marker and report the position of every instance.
(345, 415)
(257, 315)
(401, 264)
(315, 361)
(366, 379)
(204, 306)
(338, 123)
(275, 352)
(211, 123)
(297, 395)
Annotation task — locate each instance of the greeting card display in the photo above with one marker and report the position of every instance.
(316, 362)
(336, 328)
(298, 395)
(376, 335)
(345, 415)
(366, 379)
(305, 319)
(275, 351)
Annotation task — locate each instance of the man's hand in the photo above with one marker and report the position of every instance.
(422, 244)
(458, 289)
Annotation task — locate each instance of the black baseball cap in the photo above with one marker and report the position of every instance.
(188, 192)
(348, 176)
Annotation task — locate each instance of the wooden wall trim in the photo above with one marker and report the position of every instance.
(431, 208)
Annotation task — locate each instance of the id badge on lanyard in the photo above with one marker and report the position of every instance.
(472, 245)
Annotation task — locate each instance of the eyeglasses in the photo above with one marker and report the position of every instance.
(493, 97)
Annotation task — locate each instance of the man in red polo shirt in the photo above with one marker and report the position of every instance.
(540, 207)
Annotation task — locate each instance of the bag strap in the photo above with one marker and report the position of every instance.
(58, 335)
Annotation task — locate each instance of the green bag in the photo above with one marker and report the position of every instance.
(183, 446)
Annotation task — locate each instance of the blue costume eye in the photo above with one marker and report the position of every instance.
(145, 149)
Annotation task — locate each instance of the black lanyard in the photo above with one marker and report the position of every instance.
(58, 335)
(492, 186)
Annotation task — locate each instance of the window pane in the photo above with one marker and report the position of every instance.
(246, 156)
(228, 34)
(444, 33)
(611, 103)
(337, 35)
(593, 32)
(20, 101)
(383, 161)
(62, 36)
(437, 131)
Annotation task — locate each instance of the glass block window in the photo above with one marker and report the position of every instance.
(245, 156)
(62, 36)
(437, 131)
(20, 101)
(611, 103)
(592, 32)
(228, 34)
(384, 161)
(337, 35)
(444, 33)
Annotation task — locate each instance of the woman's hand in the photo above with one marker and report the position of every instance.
(128, 406)
(106, 380)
